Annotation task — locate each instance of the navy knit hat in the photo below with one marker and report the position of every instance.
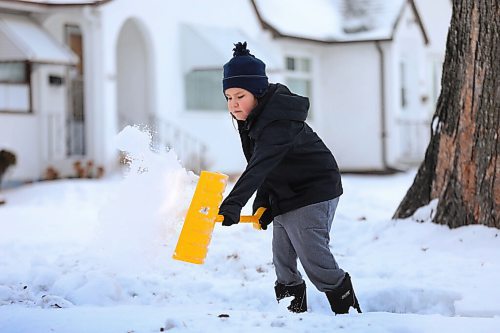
(245, 71)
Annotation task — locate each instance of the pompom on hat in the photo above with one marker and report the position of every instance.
(245, 71)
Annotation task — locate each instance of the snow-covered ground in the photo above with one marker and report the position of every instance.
(95, 256)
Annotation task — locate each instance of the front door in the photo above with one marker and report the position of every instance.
(413, 117)
(75, 124)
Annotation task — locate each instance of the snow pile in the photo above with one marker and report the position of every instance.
(146, 209)
(101, 250)
(87, 241)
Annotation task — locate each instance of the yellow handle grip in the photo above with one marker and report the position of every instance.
(248, 218)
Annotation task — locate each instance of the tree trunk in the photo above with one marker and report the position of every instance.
(462, 167)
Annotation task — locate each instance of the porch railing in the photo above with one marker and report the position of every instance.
(191, 151)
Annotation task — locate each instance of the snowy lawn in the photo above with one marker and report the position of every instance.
(95, 256)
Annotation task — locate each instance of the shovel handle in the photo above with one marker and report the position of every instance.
(247, 218)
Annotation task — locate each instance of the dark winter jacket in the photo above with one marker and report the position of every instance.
(288, 164)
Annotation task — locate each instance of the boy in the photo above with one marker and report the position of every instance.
(296, 178)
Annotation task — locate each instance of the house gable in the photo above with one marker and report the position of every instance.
(417, 18)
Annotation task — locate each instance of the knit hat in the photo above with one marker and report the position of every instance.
(245, 71)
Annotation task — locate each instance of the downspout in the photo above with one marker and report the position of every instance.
(383, 133)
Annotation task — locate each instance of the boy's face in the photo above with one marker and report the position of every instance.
(240, 102)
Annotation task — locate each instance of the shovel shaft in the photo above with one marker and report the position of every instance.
(243, 219)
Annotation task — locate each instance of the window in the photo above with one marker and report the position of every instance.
(203, 91)
(74, 40)
(404, 85)
(299, 86)
(14, 87)
(299, 76)
(298, 64)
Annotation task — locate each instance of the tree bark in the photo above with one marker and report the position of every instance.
(461, 167)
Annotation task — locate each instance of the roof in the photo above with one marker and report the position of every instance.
(60, 2)
(22, 39)
(333, 21)
(216, 43)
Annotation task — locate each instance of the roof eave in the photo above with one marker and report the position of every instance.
(333, 41)
(94, 3)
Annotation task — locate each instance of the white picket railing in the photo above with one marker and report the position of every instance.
(191, 151)
(55, 143)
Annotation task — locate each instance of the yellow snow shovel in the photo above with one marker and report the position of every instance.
(201, 216)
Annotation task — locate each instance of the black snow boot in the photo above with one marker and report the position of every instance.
(343, 297)
(299, 302)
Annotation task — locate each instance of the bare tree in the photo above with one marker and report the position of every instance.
(462, 166)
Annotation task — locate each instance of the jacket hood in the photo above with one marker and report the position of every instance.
(279, 103)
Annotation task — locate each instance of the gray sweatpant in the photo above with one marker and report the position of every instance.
(305, 233)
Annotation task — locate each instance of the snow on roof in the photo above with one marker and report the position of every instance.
(29, 41)
(331, 20)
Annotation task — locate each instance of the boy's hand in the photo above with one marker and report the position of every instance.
(228, 221)
(265, 219)
(231, 214)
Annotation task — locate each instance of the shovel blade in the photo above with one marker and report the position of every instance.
(199, 223)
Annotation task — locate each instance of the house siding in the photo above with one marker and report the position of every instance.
(351, 105)
(409, 127)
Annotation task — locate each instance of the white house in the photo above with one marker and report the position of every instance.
(34, 71)
(156, 63)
